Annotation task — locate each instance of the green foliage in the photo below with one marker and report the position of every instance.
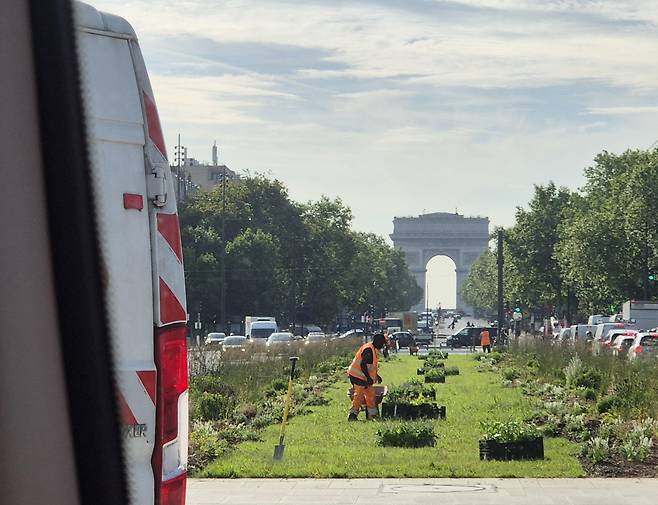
(407, 434)
(281, 254)
(214, 406)
(205, 445)
(573, 370)
(435, 375)
(508, 431)
(589, 378)
(510, 373)
(412, 392)
(452, 370)
(597, 449)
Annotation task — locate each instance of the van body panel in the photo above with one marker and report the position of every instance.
(140, 245)
(117, 151)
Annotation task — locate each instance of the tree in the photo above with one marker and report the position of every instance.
(535, 275)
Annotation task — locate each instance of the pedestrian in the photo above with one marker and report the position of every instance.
(363, 375)
(485, 340)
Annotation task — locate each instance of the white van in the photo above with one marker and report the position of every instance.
(142, 255)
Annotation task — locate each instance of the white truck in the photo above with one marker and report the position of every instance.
(259, 327)
(142, 256)
(643, 313)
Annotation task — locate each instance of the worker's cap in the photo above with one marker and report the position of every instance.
(378, 340)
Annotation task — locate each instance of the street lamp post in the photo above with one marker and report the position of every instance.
(222, 280)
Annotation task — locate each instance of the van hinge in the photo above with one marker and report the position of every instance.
(157, 185)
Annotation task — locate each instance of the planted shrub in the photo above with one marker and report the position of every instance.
(407, 434)
(435, 375)
(573, 370)
(508, 431)
(607, 404)
(636, 447)
(434, 356)
(588, 394)
(597, 449)
(205, 445)
(412, 392)
(589, 378)
(452, 370)
(239, 433)
(510, 374)
(215, 406)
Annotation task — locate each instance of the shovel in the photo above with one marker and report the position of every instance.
(278, 449)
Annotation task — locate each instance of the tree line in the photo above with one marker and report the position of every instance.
(579, 252)
(296, 261)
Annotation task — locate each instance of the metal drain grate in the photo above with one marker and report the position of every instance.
(436, 488)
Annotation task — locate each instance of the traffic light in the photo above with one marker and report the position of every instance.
(652, 276)
(517, 307)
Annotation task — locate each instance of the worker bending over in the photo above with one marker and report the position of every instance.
(363, 375)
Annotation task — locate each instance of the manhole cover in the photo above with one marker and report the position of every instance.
(435, 488)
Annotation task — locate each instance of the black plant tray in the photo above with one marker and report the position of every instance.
(435, 380)
(420, 371)
(528, 449)
(410, 412)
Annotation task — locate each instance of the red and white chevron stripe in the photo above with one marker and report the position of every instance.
(171, 287)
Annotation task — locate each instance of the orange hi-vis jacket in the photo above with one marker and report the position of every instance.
(484, 338)
(355, 367)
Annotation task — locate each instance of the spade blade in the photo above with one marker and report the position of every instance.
(278, 452)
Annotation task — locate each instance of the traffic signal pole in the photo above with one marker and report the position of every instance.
(501, 308)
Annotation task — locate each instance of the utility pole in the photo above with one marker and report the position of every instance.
(180, 155)
(501, 307)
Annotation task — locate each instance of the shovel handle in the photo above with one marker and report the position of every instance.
(293, 363)
(286, 409)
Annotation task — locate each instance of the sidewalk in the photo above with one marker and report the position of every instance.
(423, 491)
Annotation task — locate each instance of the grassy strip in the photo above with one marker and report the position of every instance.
(323, 444)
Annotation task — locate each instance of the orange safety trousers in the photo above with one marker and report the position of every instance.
(365, 395)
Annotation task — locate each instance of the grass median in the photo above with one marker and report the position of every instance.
(324, 444)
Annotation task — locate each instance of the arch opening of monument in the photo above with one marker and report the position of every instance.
(440, 283)
(421, 238)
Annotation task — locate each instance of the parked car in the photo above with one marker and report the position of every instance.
(606, 342)
(235, 342)
(644, 347)
(579, 332)
(564, 335)
(621, 345)
(352, 333)
(279, 339)
(316, 337)
(215, 338)
(469, 336)
(404, 339)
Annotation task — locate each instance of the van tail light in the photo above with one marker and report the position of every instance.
(639, 349)
(172, 491)
(169, 459)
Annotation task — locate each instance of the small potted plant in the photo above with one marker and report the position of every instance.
(510, 440)
(408, 434)
(435, 375)
(412, 400)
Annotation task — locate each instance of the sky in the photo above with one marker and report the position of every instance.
(402, 107)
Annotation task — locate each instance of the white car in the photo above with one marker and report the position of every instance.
(279, 339)
(606, 342)
(621, 345)
(644, 347)
(235, 342)
(315, 337)
(215, 338)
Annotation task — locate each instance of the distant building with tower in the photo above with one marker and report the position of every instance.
(201, 176)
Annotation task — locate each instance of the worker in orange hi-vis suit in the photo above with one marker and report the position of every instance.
(363, 373)
(485, 340)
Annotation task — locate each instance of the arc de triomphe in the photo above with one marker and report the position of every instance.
(421, 238)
